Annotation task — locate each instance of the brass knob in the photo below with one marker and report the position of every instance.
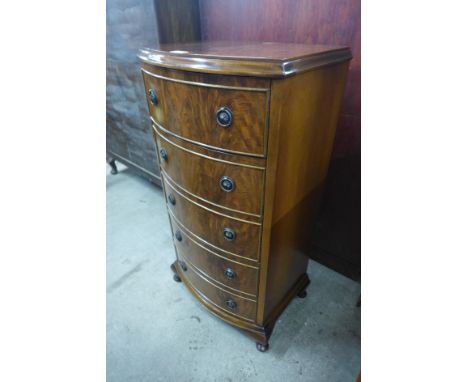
(171, 198)
(163, 154)
(229, 234)
(231, 304)
(152, 95)
(229, 273)
(178, 235)
(226, 184)
(224, 117)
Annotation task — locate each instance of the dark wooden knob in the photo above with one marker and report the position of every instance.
(229, 234)
(224, 117)
(226, 184)
(171, 198)
(231, 304)
(178, 235)
(183, 266)
(163, 154)
(229, 273)
(152, 95)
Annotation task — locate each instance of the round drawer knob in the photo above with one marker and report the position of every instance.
(152, 95)
(183, 266)
(178, 235)
(163, 154)
(231, 304)
(226, 183)
(171, 198)
(224, 117)
(229, 234)
(229, 273)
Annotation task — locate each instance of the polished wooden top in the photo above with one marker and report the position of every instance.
(260, 59)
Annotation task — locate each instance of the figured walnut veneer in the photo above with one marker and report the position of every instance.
(183, 107)
(242, 253)
(214, 265)
(207, 225)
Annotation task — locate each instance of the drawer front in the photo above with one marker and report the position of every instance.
(231, 274)
(228, 234)
(205, 177)
(198, 113)
(229, 302)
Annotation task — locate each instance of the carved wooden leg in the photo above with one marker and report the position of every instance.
(302, 294)
(262, 347)
(113, 166)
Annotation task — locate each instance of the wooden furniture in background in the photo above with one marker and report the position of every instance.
(244, 134)
(132, 24)
(177, 21)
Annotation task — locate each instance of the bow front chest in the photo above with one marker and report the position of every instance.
(244, 133)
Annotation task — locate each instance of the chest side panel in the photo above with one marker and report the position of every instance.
(303, 118)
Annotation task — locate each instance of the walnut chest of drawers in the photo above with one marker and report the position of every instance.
(244, 134)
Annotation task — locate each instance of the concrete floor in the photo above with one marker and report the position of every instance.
(156, 331)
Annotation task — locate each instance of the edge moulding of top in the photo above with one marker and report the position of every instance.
(259, 67)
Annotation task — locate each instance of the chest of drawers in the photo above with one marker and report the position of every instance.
(244, 134)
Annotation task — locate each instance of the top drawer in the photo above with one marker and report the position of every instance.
(224, 117)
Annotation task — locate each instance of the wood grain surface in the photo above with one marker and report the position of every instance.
(260, 59)
(189, 111)
(178, 21)
(201, 175)
(213, 266)
(301, 141)
(208, 225)
(279, 193)
(245, 308)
